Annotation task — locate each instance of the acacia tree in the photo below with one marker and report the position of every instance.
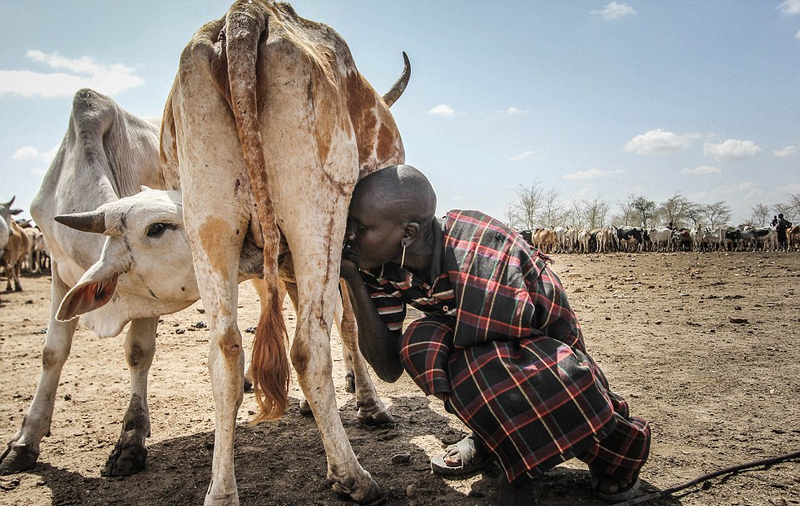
(717, 214)
(644, 209)
(675, 210)
(522, 214)
(551, 211)
(627, 209)
(760, 215)
(595, 213)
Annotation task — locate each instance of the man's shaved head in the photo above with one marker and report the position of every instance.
(401, 189)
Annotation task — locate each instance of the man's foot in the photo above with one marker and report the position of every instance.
(466, 457)
(613, 490)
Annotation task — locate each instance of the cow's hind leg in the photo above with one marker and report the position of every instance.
(371, 410)
(130, 453)
(23, 450)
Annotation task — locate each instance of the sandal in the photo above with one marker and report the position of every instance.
(629, 491)
(474, 457)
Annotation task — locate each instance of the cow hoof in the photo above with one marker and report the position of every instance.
(350, 382)
(305, 408)
(126, 460)
(230, 499)
(373, 413)
(371, 494)
(17, 459)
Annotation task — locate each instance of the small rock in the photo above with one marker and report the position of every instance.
(401, 458)
(180, 331)
(410, 491)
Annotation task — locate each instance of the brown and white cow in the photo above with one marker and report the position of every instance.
(14, 253)
(139, 271)
(269, 125)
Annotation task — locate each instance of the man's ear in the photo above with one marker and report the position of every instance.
(410, 233)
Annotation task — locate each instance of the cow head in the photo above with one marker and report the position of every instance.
(145, 239)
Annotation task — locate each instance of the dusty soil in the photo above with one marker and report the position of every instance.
(705, 346)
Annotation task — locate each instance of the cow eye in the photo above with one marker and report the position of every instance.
(156, 230)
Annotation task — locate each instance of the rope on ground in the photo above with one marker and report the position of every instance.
(733, 469)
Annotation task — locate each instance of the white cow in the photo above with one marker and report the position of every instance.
(269, 125)
(141, 270)
(5, 222)
(661, 238)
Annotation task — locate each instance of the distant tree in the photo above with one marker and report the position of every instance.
(675, 210)
(551, 212)
(695, 213)
(790, 210)
(522, 214)
(628, 210)
(644, 209)
(573, 214)
(595, 213)
(717, 214)
(761, 215)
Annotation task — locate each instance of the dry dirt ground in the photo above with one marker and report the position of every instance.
(705, 346)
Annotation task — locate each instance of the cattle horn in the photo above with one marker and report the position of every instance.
(8, 204)
(400, 85)
(93, 221)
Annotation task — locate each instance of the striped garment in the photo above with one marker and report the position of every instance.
(501, 345)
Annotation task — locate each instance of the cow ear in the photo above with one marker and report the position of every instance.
(86, 296)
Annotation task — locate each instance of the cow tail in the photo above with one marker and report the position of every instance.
(245, 25)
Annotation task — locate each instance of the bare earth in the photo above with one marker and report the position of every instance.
(705, 346)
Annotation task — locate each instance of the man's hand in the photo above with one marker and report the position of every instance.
(348, 270)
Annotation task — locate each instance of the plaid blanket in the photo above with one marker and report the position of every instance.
(510, 360)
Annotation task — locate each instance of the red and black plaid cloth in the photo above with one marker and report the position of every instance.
(503, 348)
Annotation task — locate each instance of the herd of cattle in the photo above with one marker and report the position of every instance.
(267, 128)
(23, 248)
(661, 239)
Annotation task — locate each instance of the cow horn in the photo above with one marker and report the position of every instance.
(8, 204)
(93, 221)
(400, 85)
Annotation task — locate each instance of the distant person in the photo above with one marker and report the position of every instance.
(774, 221)
(499, 344)
(781, 226)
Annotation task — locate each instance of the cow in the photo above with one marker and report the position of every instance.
(5, 223)
(143, 269)
(793, 238)
(268, 126)
(14, 253)
(696, 236)
(624, 234)
(661, 238)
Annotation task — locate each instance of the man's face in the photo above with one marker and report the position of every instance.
(373, 234)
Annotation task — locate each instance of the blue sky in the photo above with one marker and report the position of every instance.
(596, 99)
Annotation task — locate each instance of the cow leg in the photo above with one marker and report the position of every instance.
(23, 450)
(130, 453)
(311, 358)
(371, 410)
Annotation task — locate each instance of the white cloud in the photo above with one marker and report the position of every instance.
(731, 150)
(615, 11)
(702, 170)
(31, 153)
(443, 110)
(797, 36)
(81, 73)
(790, 7)
(512, 111)
(659, 141)
(785, 151)
(522, 156)
(591, 174)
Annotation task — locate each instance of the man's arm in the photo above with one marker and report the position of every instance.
(377, 343)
